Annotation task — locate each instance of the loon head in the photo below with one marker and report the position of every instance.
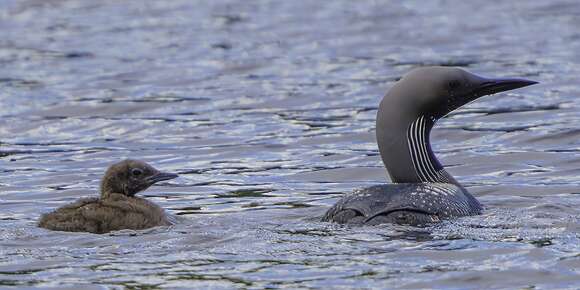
(129, 177)
(411, 107)
(436, 91)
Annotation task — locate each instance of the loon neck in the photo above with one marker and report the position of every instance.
(405, 148)
(427, 167)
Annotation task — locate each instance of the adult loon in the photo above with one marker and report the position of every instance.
(422, 191)
(117, 208)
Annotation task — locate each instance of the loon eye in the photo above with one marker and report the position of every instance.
(136, 172)
(454, 84)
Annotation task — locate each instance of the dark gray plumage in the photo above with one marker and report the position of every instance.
(423, 192)
(117, 208)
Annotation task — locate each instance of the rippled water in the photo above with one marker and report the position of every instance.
(266, 109)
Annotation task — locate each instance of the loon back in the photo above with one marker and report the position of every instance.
(423, 191)
(403, 203)
(103, 215)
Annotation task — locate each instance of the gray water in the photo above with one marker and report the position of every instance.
(266, 110)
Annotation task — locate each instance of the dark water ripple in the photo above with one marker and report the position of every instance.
(266, 109)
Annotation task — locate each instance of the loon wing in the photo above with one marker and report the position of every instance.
(70, 217)
(403, 203)
(96, 215)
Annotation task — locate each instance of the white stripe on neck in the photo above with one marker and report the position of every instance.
(417, 136)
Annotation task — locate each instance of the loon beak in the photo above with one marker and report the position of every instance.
(493, 86)
(479, 87)
(161, 176)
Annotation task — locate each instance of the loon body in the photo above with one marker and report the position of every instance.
(422, 191)
(117, 208)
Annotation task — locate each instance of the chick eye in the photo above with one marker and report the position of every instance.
(136, 171)
(454, 84)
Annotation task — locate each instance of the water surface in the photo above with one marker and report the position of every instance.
(266, 109)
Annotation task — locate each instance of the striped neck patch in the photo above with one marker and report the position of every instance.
(418, 138)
